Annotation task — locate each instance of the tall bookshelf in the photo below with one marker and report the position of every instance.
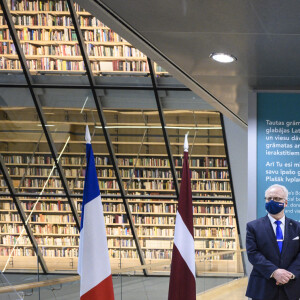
(49, 42)
(147, 179)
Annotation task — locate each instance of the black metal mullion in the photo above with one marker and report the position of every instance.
(105, 132)
(21, 212)
(163, 126)
(38, 107)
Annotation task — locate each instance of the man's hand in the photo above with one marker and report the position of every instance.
(282, 276)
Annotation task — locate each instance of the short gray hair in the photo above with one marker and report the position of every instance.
(282, 187)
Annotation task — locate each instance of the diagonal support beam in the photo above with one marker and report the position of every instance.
(163, 126)
(103, 124)
(38, 107)
(21, 212)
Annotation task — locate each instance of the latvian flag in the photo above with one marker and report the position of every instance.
(93, 263)
(182, 279)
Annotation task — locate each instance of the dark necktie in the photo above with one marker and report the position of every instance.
(279, 235)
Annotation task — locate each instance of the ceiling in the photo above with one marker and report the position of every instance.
(181, 34)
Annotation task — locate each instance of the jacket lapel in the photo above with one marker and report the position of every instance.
(287, 234)
(270, 233)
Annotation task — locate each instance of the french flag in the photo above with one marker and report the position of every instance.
(182, 278)
(93, 262)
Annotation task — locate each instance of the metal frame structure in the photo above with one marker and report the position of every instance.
(104, 130)
(163, 126)
(93, 87)
(22, 214)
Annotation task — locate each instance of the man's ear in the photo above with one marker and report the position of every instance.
(285, 203)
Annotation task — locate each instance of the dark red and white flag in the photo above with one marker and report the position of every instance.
(182, 278)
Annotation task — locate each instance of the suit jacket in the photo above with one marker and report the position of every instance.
(263, 253)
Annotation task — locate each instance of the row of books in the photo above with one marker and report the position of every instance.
(44, 18)
(12, 228)
(220, 221)
(153, 162)
(215, 244)
(138, 174)
(118, 231)
(126, 231)
(60, 252)
(120, 243)
(57, 50)
(204, 162)
(18, 251)
(213, 209)
(54, 229)
(120, 65)
(12, 240)
(153, 208)
(150, 185)
(215, 232)
(29, 159)
(66, 218)
(101, 35)
(58, 241)
(47, 206)
(63, 34)
(41, 19)
(40, 5)
(11, 217)
(124, 161)
(211, 185)
(43, 34)
(42, 241)
(114, 253)
(155, 231)
(72, 50)
(157, 173)
(53, 64)
(113, 51)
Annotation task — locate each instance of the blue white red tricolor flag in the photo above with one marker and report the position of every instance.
(93, 262)
(182, 278)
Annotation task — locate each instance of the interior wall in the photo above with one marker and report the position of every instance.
(237, 150)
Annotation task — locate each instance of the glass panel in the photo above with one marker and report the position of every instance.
(160, 71)
(144, 166)
(16, 251)
(53, 225)
(67, 116)
(109, 53)
(47, 36)
(3, 184)
(24, 147)
(9, 61)
(215, 230)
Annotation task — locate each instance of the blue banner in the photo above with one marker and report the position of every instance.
(278, 148)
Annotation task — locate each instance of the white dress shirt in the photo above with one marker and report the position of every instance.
(272, 220)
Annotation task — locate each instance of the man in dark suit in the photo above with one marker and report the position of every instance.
(273, 248)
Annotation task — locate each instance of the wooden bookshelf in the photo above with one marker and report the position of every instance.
(49, 42)
(147, 174)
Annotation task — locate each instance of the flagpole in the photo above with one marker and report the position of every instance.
(120, 274)
(183, 272)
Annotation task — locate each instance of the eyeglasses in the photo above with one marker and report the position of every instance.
(276, 199)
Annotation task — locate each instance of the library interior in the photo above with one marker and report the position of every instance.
(67, 64)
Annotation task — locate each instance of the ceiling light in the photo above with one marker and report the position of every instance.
(47, 125)
(222, 57)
